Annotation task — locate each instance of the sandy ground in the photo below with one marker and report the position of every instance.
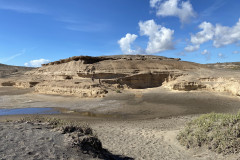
(138, 124)
(151, 140)
(28, 141)
(146, 139)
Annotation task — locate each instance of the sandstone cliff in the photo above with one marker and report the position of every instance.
(86, 76)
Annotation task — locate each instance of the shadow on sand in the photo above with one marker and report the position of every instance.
(93, 146)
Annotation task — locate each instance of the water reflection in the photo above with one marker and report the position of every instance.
(20, 111)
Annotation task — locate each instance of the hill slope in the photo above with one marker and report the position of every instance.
(7, 70)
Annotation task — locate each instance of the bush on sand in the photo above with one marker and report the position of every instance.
(218, 132)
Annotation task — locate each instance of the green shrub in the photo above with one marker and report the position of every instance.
(218, 132)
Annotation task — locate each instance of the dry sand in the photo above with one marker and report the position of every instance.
(28, 141)
(146, 139)
(150, 140)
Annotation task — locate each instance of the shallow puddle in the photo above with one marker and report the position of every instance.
(20, 111)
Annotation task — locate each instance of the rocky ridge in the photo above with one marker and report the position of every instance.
(86, 76)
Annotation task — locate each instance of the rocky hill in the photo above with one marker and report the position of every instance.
(86, 76)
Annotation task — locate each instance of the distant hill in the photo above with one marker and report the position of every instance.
(9, 71)
(226, 65)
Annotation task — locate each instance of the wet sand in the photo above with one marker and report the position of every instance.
(136, 104)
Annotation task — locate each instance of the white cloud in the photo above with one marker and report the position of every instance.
(204, 52)
(192, 48)
(181, 9)
(125, 43)
(160, 38)
(36, 63)
(226, 35)
(236, 52)
(220, 35)
(153, 3)
(205, 35)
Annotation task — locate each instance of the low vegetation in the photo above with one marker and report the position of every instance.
(218, 132)
(118, 91)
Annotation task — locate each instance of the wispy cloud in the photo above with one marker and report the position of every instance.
(81, 25)
(6, 59)
(207, 13)
(87, 27)
(68, 20)
(216, 5)
(236, 52)
(21, 8)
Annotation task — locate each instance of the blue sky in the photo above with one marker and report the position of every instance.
(34, 32)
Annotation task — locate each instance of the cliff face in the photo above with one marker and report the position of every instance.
(86, 76)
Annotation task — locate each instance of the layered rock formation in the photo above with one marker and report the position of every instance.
(86, 76)
(215, 80)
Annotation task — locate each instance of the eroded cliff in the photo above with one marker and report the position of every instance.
(86, 76)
